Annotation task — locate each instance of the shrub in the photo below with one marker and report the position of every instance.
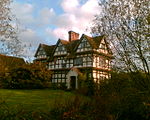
(73, 109)
(28, 76)
(123, 99)
(53, 86)
(62, 86)
(86, 86)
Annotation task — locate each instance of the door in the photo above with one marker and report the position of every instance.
(73, 82)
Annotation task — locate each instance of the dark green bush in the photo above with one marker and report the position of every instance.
(31, 76)
(123, 98)
(86, 87)
(62, 86)
(53, 86)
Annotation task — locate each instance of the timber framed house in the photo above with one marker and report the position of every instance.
(88, 56)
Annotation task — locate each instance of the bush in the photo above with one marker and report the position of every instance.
(62, 86)
(123, 99)
(53, 86)
(87, 87)
(75, 109)
(31, 76)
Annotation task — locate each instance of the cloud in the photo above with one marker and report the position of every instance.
(23, 12)
(46, 16)
(76, 16)
(90, 8)
(30, 41)
(29, 36)
(45, 25)
(70, 5)
(65, 20)
(28, 16)
(57, 33)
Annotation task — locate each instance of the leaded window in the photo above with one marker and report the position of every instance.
(78, 61)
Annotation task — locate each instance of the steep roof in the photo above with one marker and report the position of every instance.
(64, 42)
(10, 61)
(98, 40)
(71, 46)
(48, 49)
(94, 41)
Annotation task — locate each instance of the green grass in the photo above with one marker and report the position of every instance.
(42, 100)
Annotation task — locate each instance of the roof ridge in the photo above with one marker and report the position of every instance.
(47, 45)
(10, 56)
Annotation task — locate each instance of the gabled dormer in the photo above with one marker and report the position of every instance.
(104, 47)
(44, 51)
(61, 48)
(84, 44)
(101, 45)
(40, 53)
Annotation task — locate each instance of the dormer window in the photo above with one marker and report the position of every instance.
(83, 44)
(60, 48)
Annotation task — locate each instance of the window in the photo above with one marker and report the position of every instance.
(60, 48)
(83, 44)
(63, 65)
(88, 61)
(78, 61)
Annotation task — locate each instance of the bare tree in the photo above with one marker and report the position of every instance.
(127, 25)
(9, 43)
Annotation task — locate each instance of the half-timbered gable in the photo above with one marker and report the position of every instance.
(103, 47)
(90, 56)
(44, 52)
(40, 52)
(84, 45)
(60, 48)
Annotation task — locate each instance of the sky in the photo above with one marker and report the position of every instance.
(45, 21)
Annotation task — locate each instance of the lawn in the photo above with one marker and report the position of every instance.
(42, 100)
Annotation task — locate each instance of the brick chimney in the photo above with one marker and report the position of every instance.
(73, 36)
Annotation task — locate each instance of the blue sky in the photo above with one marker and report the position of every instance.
(45, 21)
